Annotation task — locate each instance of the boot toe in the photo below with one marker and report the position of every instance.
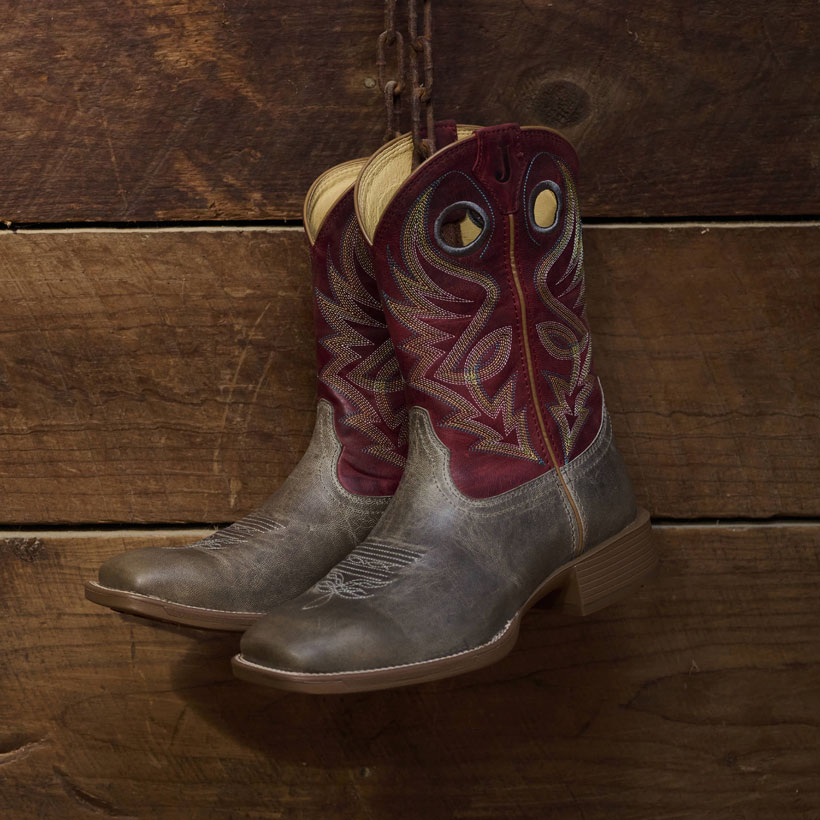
(290, 640)
(137, 571)
(176, 576)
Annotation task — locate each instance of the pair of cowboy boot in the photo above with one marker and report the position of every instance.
(450, 314)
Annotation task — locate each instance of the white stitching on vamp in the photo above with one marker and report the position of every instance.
(368, 568)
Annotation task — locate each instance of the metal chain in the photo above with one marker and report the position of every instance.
(419, 50)
(421, 94)
(392, 88)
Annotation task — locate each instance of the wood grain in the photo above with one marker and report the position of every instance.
(695, 698)
(707, 346)
(227, 110)
(152, 376)
(169, 375)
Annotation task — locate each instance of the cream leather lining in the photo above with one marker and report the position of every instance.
(328, 189)
(388, 169)
(545, 208)
(384, 174)
(469, 230)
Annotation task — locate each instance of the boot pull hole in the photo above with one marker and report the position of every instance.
(460, 227)
(503, 173)
(545, 206)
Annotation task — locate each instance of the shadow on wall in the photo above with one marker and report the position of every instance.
(483, 738)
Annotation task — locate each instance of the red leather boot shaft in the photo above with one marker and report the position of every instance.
(480, 262)
(358, 371)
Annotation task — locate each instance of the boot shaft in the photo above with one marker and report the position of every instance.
(479, 258)
(358, 372)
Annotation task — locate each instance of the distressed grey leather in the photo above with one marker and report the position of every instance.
(442, 573)
(309, 524)
(601, 488)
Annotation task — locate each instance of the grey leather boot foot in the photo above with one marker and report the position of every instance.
(338, 490)
(514, 487)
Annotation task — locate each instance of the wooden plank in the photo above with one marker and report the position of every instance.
(151, 376)
(707, 343)
(169, 375)
(697, 697)
(215, 110)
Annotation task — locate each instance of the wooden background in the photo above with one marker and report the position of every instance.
(156, 379)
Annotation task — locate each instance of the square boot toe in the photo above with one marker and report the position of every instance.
(325, 640)
(181, 576)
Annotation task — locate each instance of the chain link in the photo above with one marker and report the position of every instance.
(420, 53)
(393, 87)
(421, 93)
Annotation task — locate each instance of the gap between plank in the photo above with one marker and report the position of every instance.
(263, 225)
(201, 531)
(194, 533)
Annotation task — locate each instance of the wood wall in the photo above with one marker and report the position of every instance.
(157, 379)
(168, 376)
(697, 698)
(227, 109)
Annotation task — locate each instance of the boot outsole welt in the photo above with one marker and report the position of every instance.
(134, 603)
(600, 577)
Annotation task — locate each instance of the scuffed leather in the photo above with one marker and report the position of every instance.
(479, 560)
(309, 524)
(600, 487)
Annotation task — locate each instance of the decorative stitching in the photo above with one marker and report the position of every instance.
(465, 364)
(524, 496)
(582, 463)
(328, 441)
(526, 211)
(567, 339)
(368, 380)
(253, 524)
(368, 568)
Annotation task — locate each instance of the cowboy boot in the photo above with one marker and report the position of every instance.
(513, 487)
(338, 490)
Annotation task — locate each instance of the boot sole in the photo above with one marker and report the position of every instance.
(134, 603)
(594, 580)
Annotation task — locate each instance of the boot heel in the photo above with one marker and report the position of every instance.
(611, 570)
